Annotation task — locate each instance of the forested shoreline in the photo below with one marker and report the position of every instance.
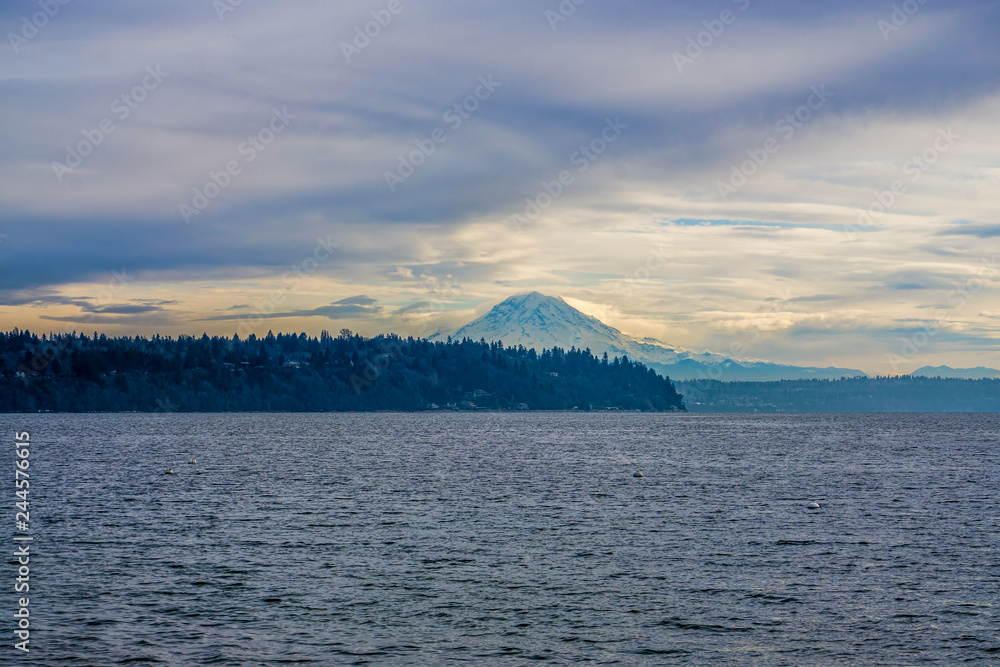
(294, 372)
(861, 394)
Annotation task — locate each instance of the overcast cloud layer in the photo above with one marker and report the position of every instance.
(268, 160)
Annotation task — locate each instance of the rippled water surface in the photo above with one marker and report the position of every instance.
(498, 538)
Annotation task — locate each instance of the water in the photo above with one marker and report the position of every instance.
(513, 538)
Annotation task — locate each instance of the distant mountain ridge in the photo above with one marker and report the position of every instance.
(538, 321)
(977, 373)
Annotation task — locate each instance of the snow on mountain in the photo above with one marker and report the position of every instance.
(538, 321)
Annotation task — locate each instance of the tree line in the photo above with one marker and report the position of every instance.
(294, 372)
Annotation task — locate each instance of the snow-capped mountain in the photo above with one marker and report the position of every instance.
(538, 321)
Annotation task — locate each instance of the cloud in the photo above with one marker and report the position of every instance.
(814, 298)
(128, 309)
(417, 307)
(980, 231)
(91, 318)
(444, 236)
(36, 297)
(402, 272)
(360, 300)
(360, 306)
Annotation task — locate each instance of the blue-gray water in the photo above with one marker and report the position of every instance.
(512, 538)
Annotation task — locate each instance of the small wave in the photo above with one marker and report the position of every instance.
(656, 651)
(773, 599)
(681, 624)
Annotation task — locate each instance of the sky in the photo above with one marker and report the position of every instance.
(816, 182)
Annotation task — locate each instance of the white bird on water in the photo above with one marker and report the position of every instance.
(813, 506)
(193, 461)
(637, 473)
(170, 471)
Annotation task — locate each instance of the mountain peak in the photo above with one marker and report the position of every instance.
(540, 321)
(977, 373)
(534, 297)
